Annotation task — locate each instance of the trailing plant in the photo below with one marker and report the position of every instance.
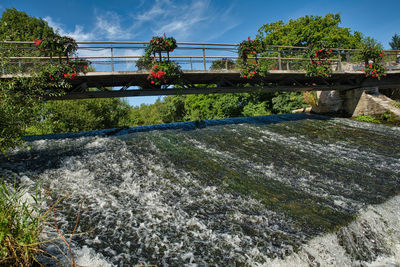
(250, 47)
(374, 70)
(145, 62)
(164, 72)
(372, 56)
(319, 65)
(253, 70)
(56, 45)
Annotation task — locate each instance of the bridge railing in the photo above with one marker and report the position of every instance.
(122, 56)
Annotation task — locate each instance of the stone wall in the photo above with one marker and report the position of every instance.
(352, 103)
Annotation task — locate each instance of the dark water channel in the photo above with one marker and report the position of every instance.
(267, 191)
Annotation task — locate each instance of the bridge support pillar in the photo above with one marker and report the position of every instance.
(350, 103)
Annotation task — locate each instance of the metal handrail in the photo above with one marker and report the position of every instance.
(184, 46)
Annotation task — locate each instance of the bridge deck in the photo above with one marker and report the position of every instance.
(223, 82)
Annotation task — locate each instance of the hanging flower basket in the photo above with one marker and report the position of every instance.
(159, 44)
(58, 46)
(372, 57)
(319, 65)
(164, 72)
(250, 48)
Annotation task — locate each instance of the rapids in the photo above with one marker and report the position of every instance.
(281, 190)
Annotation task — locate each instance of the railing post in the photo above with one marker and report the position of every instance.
(204, 58)
(191, 64)
(279, 60)
(287, 65)
(226, 64)
(347, 56)
(340, 61)
(112, 59)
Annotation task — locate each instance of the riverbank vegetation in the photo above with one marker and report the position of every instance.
(21, 223)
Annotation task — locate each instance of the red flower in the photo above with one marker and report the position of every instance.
(85, 67)
(155, 66)
(254, 72)
(66, 75)
(152, 82)
(244, 76)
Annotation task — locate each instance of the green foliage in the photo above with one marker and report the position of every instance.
(172, 109)
(372, 54)
(80, 115)
(165, 72)
(223, 64)
(319, 64)
(18, 108)
(395, 43)
(18, 26)
(310, 30)
(286, 102)
(250, 47)
(145, 62)
(374, 70)
(162, 44)
(367, 118)
(20, 226)
(56, 45)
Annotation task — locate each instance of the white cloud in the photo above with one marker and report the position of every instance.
(109, 26)
(78, 34)
(195, 20)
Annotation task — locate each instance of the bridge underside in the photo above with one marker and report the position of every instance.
(207, 82)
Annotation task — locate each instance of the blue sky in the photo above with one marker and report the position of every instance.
(200, 20)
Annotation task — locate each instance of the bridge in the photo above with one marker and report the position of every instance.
(114, 64)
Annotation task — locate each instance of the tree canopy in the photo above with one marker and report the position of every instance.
(395, 43)
(310, 30)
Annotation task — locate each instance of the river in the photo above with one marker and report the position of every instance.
(280, 190)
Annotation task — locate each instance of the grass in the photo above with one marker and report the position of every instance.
(21, 223)
(367, 118)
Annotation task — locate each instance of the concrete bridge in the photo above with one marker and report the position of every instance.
(114, 64)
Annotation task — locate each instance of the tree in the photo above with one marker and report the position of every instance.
(19, 26)
(395, 43)
(80, 115)
(310, 30)
(223, 64)
(22, 107)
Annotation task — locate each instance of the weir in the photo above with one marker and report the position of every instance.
(280, 190)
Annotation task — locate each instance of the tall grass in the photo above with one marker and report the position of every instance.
(21, 223)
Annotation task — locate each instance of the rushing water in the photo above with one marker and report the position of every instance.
(290, 190)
